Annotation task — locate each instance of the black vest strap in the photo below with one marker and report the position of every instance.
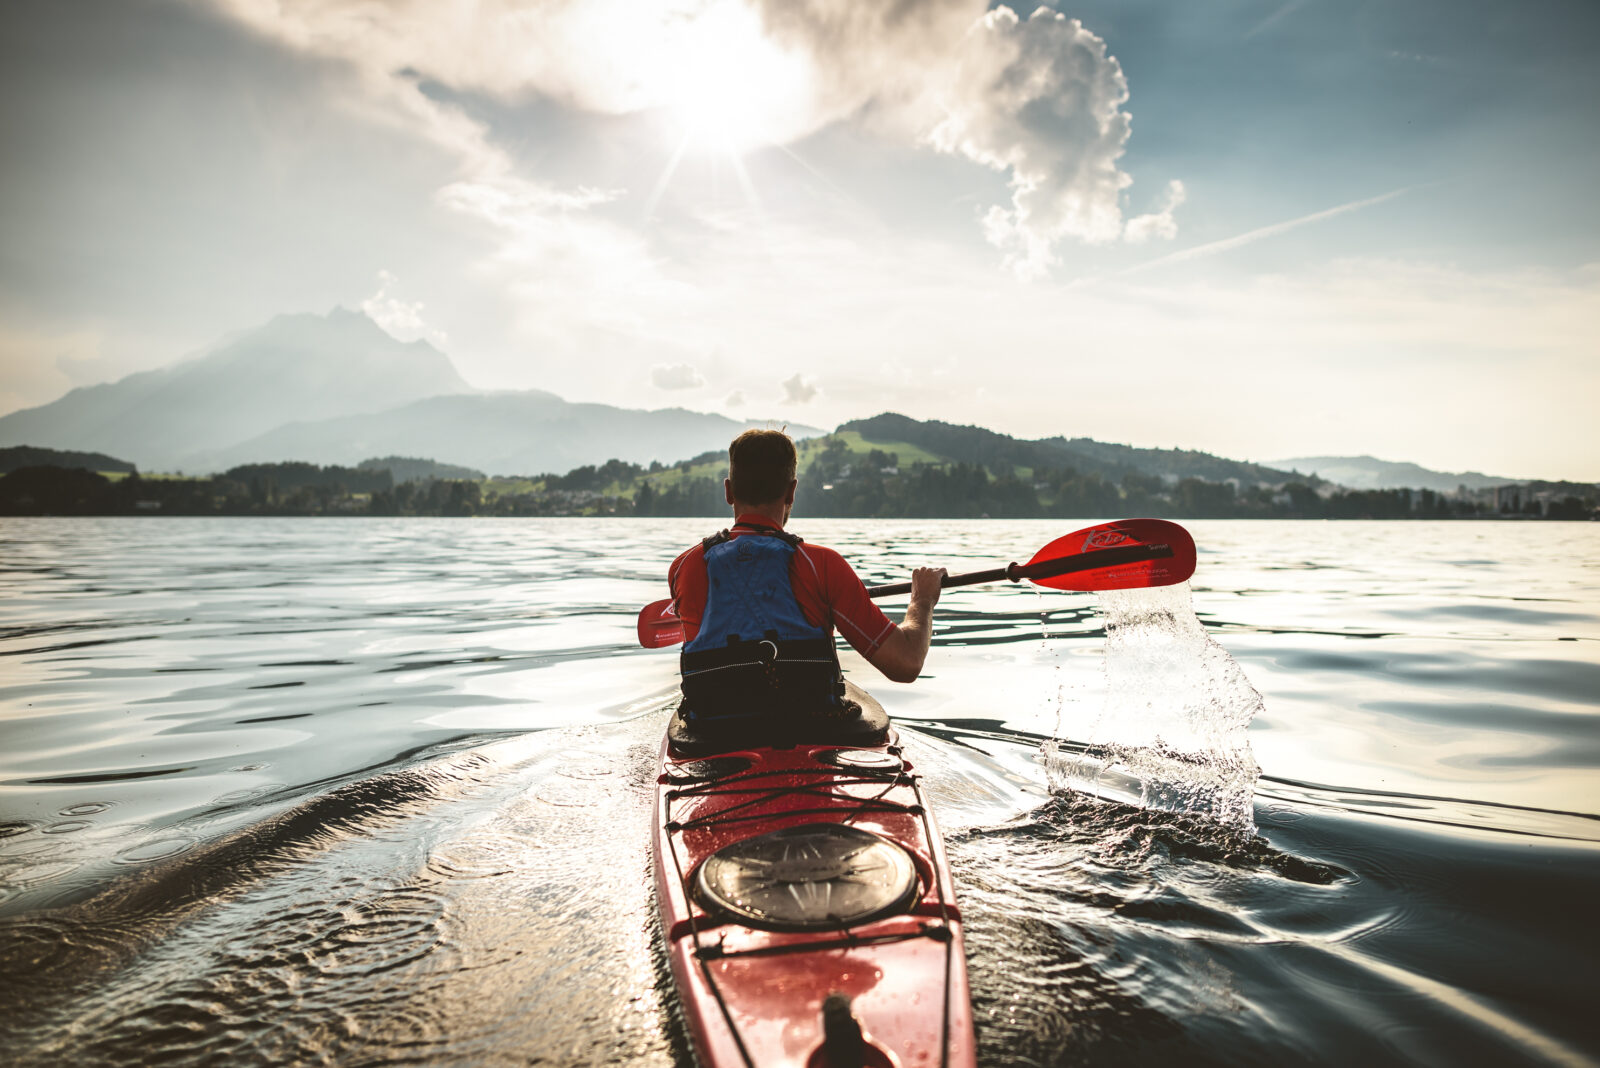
(727, 535)
(762, 651)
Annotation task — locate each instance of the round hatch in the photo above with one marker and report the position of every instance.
(861, 759)
(816, 875)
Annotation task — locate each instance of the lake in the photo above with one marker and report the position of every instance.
(359, 791)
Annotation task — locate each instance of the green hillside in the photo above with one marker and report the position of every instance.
(855, 444)
(1001, 453)
(16, 457)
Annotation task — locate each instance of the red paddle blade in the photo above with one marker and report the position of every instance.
(658, 626)
(1124, 533)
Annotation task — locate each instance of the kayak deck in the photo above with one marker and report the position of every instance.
(752, 983)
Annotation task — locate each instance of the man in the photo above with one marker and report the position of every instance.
(759, 606)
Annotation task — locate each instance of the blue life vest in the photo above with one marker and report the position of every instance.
(755, 654)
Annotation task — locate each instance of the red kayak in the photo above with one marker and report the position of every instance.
(806, 902)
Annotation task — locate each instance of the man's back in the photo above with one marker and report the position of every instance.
(827, 589)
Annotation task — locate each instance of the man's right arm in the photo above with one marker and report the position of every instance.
(905, 649)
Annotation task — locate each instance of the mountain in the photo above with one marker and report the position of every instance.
(971, 444)
(305, 367)
(336, 389)
(1366, 472)
(510, 433)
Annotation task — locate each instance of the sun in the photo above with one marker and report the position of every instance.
(730, 89)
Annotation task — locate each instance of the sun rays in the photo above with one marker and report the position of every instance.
(729, 90)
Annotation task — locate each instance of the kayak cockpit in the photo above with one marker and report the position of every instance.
(868, 725)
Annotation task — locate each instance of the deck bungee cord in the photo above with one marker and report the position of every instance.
(759, 795)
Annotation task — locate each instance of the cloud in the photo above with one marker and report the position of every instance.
(39, 365)
(1041, 100)
(398, 319)
(798, 391)
(576, 282)
(675, 376)
(503, 199)
(886, 63)
(607, 56)
(390, 52)
(1159, 223)
(735, 399)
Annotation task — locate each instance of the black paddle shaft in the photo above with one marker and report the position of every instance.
(1065, 565)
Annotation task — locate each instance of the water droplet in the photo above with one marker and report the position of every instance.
(86, 808)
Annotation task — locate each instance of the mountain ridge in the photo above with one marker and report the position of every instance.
(337, 364)
(509, 432)
(336, 389)
(1369, 472)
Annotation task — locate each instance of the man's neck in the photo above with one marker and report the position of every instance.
(772, 515)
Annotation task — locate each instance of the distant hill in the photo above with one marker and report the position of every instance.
(20, 456)
(416, 469)
(303, 367)
(1366, 472)
(269, 479)
(511, 433)
(971, 444)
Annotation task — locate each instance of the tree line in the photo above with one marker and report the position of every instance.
(837, 483)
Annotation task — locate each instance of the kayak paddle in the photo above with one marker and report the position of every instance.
(1124, 554)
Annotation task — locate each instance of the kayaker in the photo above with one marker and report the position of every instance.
(759, 605)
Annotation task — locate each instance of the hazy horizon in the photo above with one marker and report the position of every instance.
(1266, 231)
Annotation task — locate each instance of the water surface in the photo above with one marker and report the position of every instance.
(375, 791)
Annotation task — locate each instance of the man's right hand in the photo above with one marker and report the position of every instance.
(926, 584)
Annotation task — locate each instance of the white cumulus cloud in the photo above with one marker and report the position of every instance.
(675, 376)
(1160, 222)
(797, 390)
(1041, 99)
(400, 319)
(735, 399)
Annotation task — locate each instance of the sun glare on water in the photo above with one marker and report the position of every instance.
(728, 88)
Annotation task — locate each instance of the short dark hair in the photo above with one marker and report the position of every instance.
(761, 464)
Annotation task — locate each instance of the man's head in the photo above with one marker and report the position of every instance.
(761, 466)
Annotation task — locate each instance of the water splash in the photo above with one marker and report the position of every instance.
(1172, 730)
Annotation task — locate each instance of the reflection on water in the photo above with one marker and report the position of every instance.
(322, 791)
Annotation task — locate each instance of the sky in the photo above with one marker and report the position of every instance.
(1261, 228)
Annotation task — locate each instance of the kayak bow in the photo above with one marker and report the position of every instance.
(806, 903)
